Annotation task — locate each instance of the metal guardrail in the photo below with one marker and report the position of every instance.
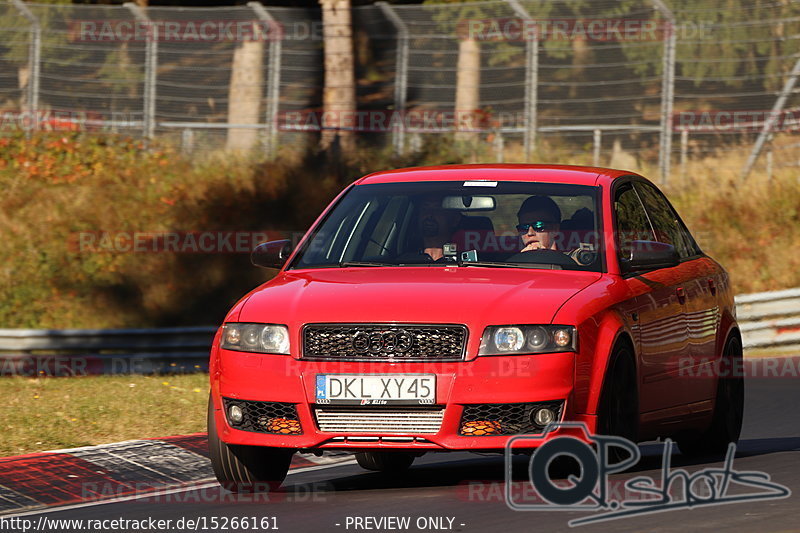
(768, 320)
(69, 352)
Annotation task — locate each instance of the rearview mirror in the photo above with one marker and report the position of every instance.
(650, 255)
(272, 254)
(469, 203)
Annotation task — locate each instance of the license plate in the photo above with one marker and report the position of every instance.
(378, 389)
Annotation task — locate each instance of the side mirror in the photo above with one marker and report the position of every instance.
(650, 255)
(272, 254)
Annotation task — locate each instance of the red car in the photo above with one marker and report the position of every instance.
(453, 307)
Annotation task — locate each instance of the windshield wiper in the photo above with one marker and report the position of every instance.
(344, 264)
(499, 264)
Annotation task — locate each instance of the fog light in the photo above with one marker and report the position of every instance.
(235, 414)
(543, 416)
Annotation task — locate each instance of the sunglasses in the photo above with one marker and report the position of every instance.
(539, 225)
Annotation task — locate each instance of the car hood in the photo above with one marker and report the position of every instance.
(467, 295)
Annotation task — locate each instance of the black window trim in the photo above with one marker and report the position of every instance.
(633, 179)
(597, 192)
(678, 219)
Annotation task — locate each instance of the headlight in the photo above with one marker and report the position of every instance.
(522, 339)
(260, 338)
(509, 339)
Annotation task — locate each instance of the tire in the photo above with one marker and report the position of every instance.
(385, 461)
(726, 421)
(241, 468)
(618, 410)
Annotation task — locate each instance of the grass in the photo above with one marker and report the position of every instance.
(54, 413)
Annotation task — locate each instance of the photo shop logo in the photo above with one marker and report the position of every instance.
(676, 489)
(258, 493)
(66, 120)
(388, 120)
(206, 30)
(180, 242)
(602, 30)
(736, 121)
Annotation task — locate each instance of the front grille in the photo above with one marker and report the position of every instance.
(361, 342)
(265, 417)
(487, 419)
(414, 421)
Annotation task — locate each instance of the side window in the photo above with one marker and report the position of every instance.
(665, 222)
(632, 223)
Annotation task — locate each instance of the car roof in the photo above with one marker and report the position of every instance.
(578, 175)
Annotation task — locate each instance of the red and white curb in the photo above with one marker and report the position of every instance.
(113, 471)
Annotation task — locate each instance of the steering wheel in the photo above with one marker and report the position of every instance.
(551, 257)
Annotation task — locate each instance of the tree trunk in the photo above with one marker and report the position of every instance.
(581, 56)
(339, 94)
(468, 85)
(245, 94)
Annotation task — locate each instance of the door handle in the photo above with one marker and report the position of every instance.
(712, 286)
(681, 294)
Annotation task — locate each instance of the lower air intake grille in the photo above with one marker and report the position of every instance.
(487, 419)
(413, 421)
(264, 417)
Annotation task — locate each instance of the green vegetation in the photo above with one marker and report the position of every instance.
(58, 185)
(56, 413)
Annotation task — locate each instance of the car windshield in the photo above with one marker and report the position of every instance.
(463, 223)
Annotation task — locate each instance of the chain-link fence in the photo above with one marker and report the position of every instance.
(616, 83)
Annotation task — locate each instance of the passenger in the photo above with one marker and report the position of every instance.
(436, 225)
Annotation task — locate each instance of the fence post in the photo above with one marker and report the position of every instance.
(34, 61)
(150, 66)
(769, 165)
(401, 76)
(531, 82)
(187, 141)
(499, 145)
(598, 135)
(667, 91)
(769, 124)
(273, 76)
(684, 150)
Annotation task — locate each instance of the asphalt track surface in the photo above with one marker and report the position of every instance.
(468, 488)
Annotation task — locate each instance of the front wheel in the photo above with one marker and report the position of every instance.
(242, 468)
(618, 411)
(726, 422)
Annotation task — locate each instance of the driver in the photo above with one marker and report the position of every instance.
(539, 223)
(540, 228)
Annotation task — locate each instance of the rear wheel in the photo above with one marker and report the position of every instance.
(246, 468)
(618, 411)
(726, 422)
(385, 461)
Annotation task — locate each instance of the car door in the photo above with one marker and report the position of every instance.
(700, 277)
(654, 310)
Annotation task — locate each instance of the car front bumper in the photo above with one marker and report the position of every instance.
(487, 380)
